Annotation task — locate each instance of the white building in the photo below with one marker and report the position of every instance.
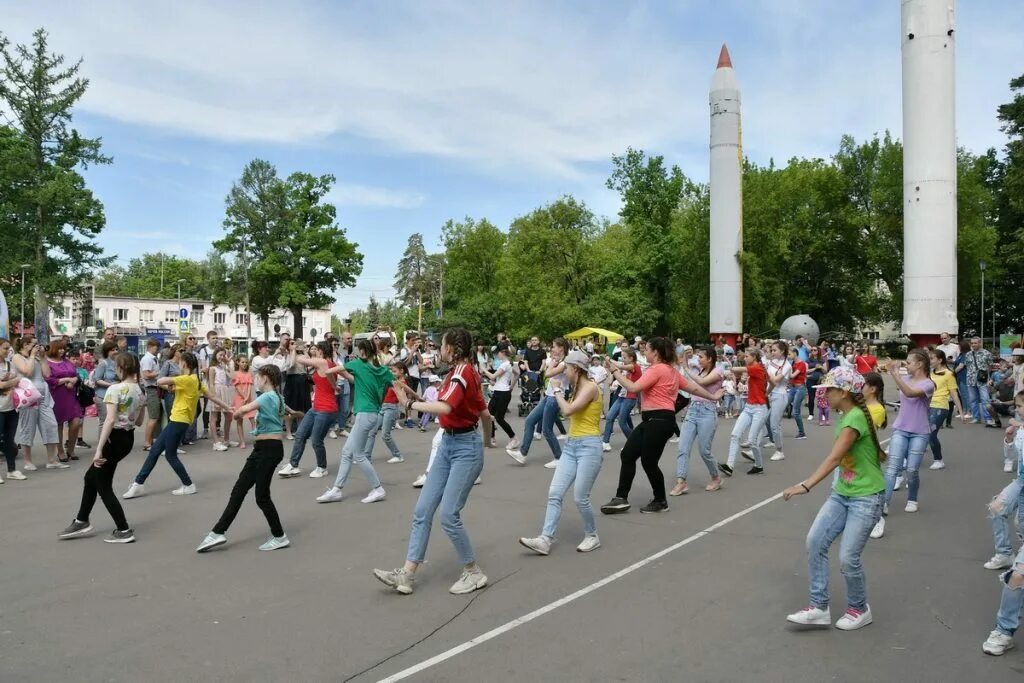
(83, 318)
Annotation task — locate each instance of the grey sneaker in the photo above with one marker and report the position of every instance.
(469, 582)
(276, 542)
(118, 536)
(997, 644)
(211, 541)
(76, 530)
(540, 545)
(399, 579)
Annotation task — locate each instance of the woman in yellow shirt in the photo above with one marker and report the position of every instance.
(938, 409)
(874, 398)
(581, 457)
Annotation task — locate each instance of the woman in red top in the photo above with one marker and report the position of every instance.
(622, 407)
(659, 386)
(318, 420)
(797, 391)
(459, 461)
(754, 414)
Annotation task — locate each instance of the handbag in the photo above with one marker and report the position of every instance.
(25, 395)
(982, 375)
(85, 394)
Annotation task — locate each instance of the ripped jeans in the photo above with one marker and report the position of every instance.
(1002, 509)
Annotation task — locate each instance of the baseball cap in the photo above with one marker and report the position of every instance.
(842, 378)
(433, 379)
(1017, 352)
(579, 359)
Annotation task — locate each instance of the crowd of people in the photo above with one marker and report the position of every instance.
(357, 389)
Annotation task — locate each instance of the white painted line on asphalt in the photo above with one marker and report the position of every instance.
(551, 607)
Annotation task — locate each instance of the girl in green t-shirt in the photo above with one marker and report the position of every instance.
(852, 509)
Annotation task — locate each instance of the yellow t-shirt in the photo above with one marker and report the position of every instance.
(877, 411)
(587, 422)
(945, 385)
(186, 397)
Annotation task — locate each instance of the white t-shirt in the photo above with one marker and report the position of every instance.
(148, 364)
(504, 380)
(598, 374)
(413, 368)
(128, 400)
(774, 368)
(553, 384)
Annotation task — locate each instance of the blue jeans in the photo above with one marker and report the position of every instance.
(936, 418)
(168, 440)
(728, 403)
(773, 426)
(315, 423)
(390, 414)
(1004, 507)
(580, 463)
(544, 413)
(797, 396)
(751, 421)
(1012, 601)
(619, 412)
(459, 461)
(979, 399)
(341, 417)
(358, 448)
(854, 519)
(700, 423)
(909, 447)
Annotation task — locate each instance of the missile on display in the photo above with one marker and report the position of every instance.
(929, 170)
(726, 182)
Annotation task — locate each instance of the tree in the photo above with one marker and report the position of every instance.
(54, 212)
(413, 276)
(295, 251)
(1007, 184)
(472, 295)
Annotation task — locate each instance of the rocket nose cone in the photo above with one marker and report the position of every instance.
(724, 61)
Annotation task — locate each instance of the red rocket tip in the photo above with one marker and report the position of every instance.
(723, 58)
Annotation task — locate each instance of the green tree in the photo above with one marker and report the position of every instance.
(472, 297)
(55, 214)
(414, 276)
(1007, 185)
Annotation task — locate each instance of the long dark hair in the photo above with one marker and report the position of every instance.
(128, 364)
(189, 360)
(666, 352)
(272, 373)
(875, 381)
(461, 343)
(712, 356)
(368, 350)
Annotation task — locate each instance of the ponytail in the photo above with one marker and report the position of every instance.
(858, 400)
(272, 373)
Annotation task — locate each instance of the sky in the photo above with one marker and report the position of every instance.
(429, 111)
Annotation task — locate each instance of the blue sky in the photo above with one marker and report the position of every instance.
(426, 111)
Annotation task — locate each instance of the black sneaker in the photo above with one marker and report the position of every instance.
(747, 455)
(616, 506)
(726, 470)
(118, 536)
(755, 470)
(75, 530)
(655, 506)
(800, 436)
(83, 444)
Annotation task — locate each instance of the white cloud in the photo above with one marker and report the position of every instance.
(354, 194)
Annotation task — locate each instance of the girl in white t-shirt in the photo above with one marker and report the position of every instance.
(729, 400)
(779, 370)
(501, 394)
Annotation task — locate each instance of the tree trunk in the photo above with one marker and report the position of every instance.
(296, 322)
(266, 327)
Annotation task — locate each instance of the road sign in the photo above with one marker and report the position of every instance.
(183, 313)
(183, 326)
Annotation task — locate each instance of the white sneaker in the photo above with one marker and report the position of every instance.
(851, 620)
(469, 582)
(1007, 467)
(332, 434)
(879, 529)
(938, 465)
(318, 473)
(899, 483)
(233, 444)
(375, 495)
(331, 495)
(606, 447)
(589, 543)
(289, 471)
(517, 456)
(134, 491)
(479, 480)
(184, 490)
(778, 456)
(211, 541)
(810, 616)
(513, 445)
(999, 561)
(29, 467)
(344, 432)
(16, 475)
(420, 481)
(911, 506)
(56, 466)
(562, 437)
(395, 460)
(997, 644)
(220, 446)
(291, 437)
(674, 439)
(540, 545)
(551, 465)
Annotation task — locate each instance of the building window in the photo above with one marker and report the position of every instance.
(170, 315)
(871, 335)
(146, 315)
(120, 315)
(219, 318)
(239, 318)
(303, 321)
(59, 311)
(197, 317)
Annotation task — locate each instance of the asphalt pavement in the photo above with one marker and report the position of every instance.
(699, 593)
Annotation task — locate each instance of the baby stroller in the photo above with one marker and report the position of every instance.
(529, 392)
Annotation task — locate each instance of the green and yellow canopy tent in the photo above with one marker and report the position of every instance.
(610, 338)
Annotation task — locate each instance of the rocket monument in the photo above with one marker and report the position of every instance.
(726, 182)
(929, 171)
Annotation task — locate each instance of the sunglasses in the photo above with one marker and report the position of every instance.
(191, 339)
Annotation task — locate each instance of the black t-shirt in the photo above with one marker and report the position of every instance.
(534, 358)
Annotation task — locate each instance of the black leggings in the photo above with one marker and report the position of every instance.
(8, 427)
(646, 443)
(100, 480)
(498, 407)
(259, 471)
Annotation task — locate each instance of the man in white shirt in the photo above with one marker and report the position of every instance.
(205, 354)
(950, 348)
(149, 367)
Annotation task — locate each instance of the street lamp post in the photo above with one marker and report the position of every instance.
(24, 267)
(981, 331)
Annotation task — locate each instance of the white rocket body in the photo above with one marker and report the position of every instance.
(929, 169)
(726, 201)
